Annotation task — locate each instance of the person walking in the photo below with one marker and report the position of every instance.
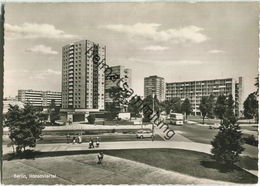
(74, 140)
(97, 142)
(100, 157)
(91, 143)
(68, 138)
(79, 139)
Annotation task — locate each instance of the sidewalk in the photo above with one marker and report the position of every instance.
(95, 127)
(119, 145)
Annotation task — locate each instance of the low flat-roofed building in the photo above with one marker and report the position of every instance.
(39, 98)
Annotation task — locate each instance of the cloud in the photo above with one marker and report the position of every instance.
(42, 49)
(165, 62)
(155, 48)
(54, 72)
(44, 74)
(151, 31)
(34, 30)
(32, 74)
(216, 51)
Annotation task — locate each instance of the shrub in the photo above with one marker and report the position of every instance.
(227, 144)
(251, 140)
(91, 118)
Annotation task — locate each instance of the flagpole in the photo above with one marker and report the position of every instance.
(153, 114)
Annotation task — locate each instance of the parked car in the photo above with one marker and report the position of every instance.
(215, 126)
(144, 134)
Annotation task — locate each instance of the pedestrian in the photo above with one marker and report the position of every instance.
(100, 157)
(91, 143)
(68, 138)
(79, 139)
(74, 140)
(97, 142)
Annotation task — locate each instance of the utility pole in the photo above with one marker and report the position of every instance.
(153, 123)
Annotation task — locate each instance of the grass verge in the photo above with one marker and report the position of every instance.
(187, 162)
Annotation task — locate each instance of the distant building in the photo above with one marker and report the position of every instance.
(39, 98)
(195, 90)
(122, 72)
(83, 81)
(156, 85)
(11, 98)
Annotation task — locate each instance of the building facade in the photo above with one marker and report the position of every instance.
(195, 90)
(156, 85)
(83, 81)
(122, 72)
(39, 98)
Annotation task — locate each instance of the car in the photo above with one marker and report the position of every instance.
(144, 134)
(215, 126)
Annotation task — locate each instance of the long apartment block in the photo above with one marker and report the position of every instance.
(39, 98)
(83, 82)
(195, 90)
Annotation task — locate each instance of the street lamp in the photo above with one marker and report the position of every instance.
(152, 122)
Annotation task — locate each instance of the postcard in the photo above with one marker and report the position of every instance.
(99, 93)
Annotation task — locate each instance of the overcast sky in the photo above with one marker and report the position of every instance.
(177, 41)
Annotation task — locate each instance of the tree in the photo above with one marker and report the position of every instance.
(24, 126)
(173, 105)
(112, 109)
(204, 107)
(54, 112)
(151, 102)
(91, 118)
(133, 107)
(220, 107)
(186, 107)
(227, 144)
(257, 85)
(167, 107)
(251, 106)
(210, 106)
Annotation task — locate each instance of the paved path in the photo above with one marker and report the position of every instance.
(76, 126)
(120, 145)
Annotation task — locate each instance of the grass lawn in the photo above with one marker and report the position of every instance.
(187, 162)
(199, 119)
(201, 134)
(83, 168)
(248, 163)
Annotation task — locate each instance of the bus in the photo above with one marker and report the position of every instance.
(176, 118)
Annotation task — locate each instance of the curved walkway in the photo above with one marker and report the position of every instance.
(119, 145)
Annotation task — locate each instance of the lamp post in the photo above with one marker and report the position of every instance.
(152, 122)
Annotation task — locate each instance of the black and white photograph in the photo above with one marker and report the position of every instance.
(134, 92)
